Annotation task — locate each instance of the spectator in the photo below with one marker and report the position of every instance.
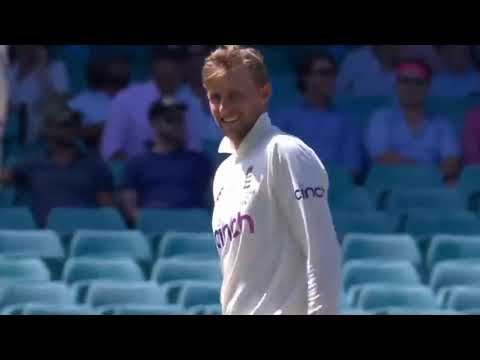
(106, 78)
(369, 71)
(167, 175)
(193, 75)
(407, 134)
(64, 176)
(127, 128)
(458, 77)
(34, 76)
(315, 120)
(471, 138)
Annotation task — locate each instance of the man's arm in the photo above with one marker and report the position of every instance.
(300, 185)
(116, 132)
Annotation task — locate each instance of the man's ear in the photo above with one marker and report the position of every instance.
(266, 93)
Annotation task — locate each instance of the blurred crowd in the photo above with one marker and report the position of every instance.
(155, 121)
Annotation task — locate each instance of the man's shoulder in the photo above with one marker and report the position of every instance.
(132, 92)
(283, 144)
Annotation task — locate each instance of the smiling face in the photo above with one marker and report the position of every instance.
(237, 102)
(238, 89)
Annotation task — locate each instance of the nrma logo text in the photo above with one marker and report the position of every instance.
(232, 231)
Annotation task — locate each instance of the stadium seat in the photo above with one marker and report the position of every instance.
(383, 179)
(23, 270)
(425, 224)
(358, 273)
(66, 221)
(85, 270)
(158, 222)
(355, 199)
(145, 310)
(64, 310)
(340, 181)
(402, 200)
(453, 274)
(36, 293)
(104, 294)
(362, 107)
(450, 247)
(167, 271)
(16, 219)
(7, 197)
(464, 299)
(31, 244)
(469, 181)
(364, 222)
(195, 294)
(111, 245)
(378, 297)
(399, 311)
(194, 246)
(207, 310)
(381, 247)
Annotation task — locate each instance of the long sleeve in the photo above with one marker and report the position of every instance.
(299, 184)
(116, 130)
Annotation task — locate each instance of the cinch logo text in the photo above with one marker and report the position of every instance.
(305, 194)
(233, 230)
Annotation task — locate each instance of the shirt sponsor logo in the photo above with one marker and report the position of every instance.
(232, 231)
(310, 193)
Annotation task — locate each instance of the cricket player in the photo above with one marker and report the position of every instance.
(272, 222)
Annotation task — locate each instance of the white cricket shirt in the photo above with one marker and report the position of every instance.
(273, 228)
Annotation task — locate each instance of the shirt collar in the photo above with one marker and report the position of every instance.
(261, 127)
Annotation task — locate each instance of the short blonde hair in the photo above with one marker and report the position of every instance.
(229, 57)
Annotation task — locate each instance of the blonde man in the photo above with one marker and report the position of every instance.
(272, 222)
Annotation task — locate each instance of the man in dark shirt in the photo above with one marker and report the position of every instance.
(65, 175)
(166, 175)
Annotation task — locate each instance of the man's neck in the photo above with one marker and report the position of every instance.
(161, 146)
(321, 103)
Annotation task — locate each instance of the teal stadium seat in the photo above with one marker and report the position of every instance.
(7, 197)
(157, 222)
(207, 310)
(66, 221)
(194, 246)
(15, 295)
(105, 294)
(425, 224)
(454, 274)
(399, 311)
(380, 297)
(359, 273)
(469, 184)
(111, 245)
(16, 219)
(340, 181)
(400, 201)
(118, 172)
(195, 294)
(145, 310)
(383, 179)
(86, 270)
(23, 270)
(62, 310)
(362, 108)
(167, 271)
(355, 199)
(464, 299)
(453, 248)
(374, 222)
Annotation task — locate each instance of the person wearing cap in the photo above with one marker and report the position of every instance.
(168, 175)
(64, 175)
(407, 133)
(127, 129)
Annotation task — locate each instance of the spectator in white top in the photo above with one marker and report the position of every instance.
(458, 77)
(106, 78)
(34, 77)
(127, 129)
(369, 71)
